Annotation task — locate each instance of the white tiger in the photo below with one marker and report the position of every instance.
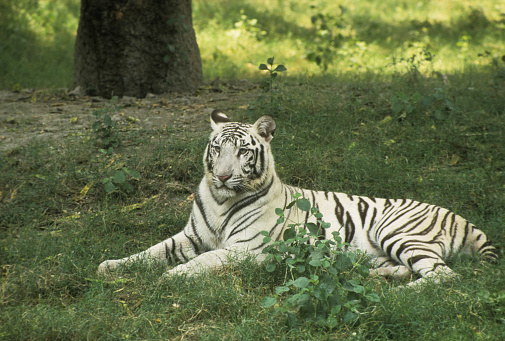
(240, 191)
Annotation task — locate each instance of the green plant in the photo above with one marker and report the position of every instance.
(268, 85)
(249, 27)
(104, 127)
(272, 102)
(324, 282)
(414, 63)
(118, 180)
(329, 35)
(403, 104)
(434, 105)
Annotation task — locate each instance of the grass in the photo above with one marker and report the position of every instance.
(337, 130)
(234, 37)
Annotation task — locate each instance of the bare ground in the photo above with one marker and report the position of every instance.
(29, 115)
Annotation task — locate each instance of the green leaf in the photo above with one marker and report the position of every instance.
(372, 297)
(438, 115)
(267, 240)
(280, 68)
(303, 204)
(290, 261)
(315, 262)
(363, 270)
(279, 211)
(336, 309)
(133, 173)
(107, 120)
(301, 282)
(289, 234)
(332, 270)
(427, 101)
(280, 220)
(359, 289)
(283, 248)
(313, 229)
(267, 302)
(270, 60)
(127, 187)
(397, 107)
(119, 177)
(281, 289)
(343, 263)
(332, 322)
(263, 67)
(270, 267)
(290, 204)
(350, 317)
(109, 187)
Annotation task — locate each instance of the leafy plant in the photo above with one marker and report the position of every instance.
(249, 26)
(268, 84)
(434, 105)
(329, 35)
(119, 180)
(414, 63)
(104, 127)
(403, 104)
(106, 130)
(272, 102)
(324, 282)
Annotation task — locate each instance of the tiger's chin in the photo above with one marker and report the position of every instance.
(224, 192)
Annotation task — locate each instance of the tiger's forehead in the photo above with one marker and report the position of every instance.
(233, 132)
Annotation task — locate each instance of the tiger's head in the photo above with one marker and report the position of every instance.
(238, 157)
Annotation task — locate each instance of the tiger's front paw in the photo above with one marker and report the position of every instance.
(105, 267)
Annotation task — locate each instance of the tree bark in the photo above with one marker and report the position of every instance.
(135, 47)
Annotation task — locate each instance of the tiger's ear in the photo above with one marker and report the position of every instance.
(217, 117)
(265, 126)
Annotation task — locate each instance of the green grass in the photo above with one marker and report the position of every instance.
(37, 37)
(338, 136)
(336, 131)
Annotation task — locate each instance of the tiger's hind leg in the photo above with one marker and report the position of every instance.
(396, 272)
(385, 267)
(429, 266)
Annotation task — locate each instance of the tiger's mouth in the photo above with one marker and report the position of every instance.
(232, 185)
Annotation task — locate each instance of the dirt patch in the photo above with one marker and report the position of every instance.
(48, 115)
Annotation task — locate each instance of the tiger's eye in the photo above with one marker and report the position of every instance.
(217, 149)
(242, 151)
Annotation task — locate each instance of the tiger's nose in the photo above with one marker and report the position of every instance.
(223, 178)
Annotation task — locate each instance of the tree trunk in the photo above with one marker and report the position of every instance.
(135, 47)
